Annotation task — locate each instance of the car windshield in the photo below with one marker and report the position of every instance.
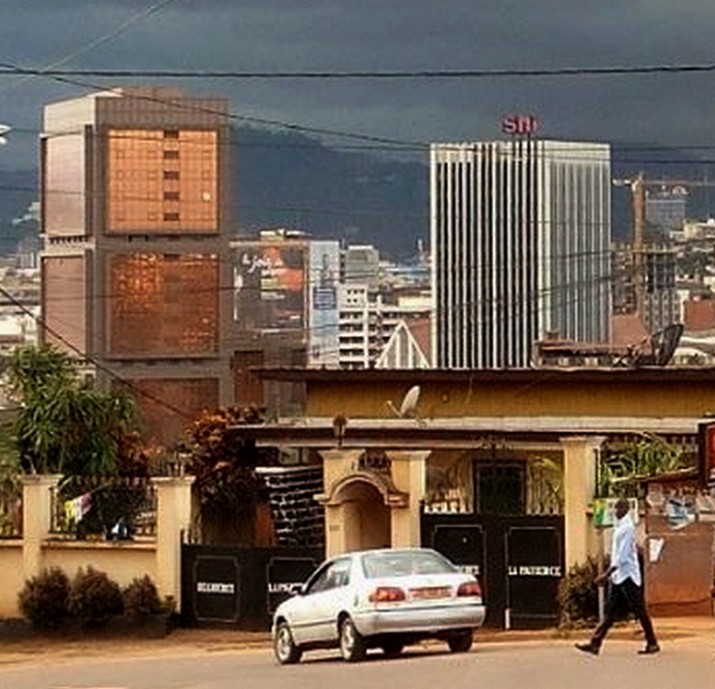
(404, 563)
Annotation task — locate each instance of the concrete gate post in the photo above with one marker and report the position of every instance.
(36, 519)
(337, 464)
(580, 457)
(173, 516)
(408, 470)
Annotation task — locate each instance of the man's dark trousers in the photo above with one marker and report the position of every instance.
(629, 596)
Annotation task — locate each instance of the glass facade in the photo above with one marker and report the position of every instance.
(162, 181)
(64, 302)
(188, 396)
(162, 304)
(64, 185)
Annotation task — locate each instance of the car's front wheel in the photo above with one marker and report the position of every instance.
(284, 647)
(460, 642)
(352, 645)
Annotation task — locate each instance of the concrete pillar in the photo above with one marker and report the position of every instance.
(408, 472)
(337, 464)
(580, 457)
(173, 516)
(36, 519)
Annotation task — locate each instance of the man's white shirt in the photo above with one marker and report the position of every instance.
(624, 554)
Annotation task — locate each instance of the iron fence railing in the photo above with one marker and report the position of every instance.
(11, 514)
(115, 508)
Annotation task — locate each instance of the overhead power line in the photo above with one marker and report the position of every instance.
(121, 28)
(13, 70)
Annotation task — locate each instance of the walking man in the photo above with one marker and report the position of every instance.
(626, 590)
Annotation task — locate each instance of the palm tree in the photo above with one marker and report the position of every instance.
(64, 424)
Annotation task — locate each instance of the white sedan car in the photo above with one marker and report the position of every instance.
(379, 598)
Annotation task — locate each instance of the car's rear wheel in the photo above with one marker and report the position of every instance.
(284, 647)
(392, 648)
(352, 645)
(460, 642)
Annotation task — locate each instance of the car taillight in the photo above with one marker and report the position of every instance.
(387, 594)
(469, 588)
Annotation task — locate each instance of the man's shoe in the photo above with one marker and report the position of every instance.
(588, 648)
(650, 649)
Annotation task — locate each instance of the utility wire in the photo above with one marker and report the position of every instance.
(7, 69)
(135, 17)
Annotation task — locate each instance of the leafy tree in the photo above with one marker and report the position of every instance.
(64, 424)
(227, 486)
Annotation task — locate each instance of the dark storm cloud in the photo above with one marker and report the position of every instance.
(285, 35)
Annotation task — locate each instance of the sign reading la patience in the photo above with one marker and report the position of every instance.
(534, 571)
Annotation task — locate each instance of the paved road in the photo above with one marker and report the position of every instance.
(684, 663)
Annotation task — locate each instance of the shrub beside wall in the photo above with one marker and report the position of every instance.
(44, 601)
(92, 600)
(578, 595)
(141, 600)
(94, 597)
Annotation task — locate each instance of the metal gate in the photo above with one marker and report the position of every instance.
(519, 561)
(240, 587)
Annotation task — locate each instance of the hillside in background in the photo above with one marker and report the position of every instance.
(359, 196)
(355, 193)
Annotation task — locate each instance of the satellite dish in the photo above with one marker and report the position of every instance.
(408, 408)
(662, 347)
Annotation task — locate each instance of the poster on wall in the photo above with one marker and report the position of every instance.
(604, 511)
(324, 275)
(269, 281)
(706, 443)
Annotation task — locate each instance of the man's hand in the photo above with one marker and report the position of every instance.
(601, 579)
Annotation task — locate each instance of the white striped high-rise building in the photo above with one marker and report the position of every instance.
(520, 233)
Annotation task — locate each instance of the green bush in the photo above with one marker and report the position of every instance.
(94, 597)
(141, 599)
(578, 595)
(44, 600)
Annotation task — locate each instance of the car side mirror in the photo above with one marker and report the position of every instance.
(302, 590)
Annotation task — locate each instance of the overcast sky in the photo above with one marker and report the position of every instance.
(380, 35)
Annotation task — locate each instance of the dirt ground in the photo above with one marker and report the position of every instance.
(182, 641)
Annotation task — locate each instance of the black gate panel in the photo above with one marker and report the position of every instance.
(518, 560)
(463, 544)
(284, 576)
(217, 588)
(534, 567)
(240, 587)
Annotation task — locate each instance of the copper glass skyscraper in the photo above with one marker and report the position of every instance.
(135, 265)
(520, 234)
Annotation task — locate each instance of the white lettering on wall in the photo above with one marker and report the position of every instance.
(214, 587)
(284, 587)
(470, 569)
(534, 571)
